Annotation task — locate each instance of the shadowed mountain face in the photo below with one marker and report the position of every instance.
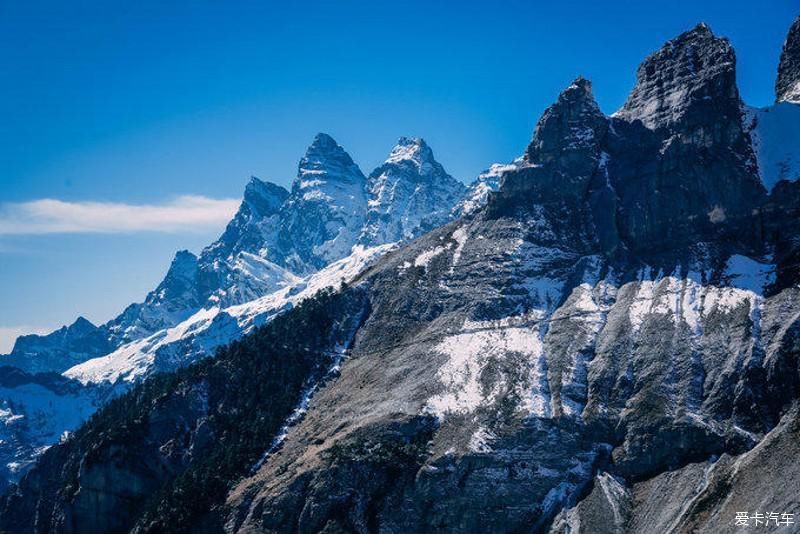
(787, 86)
(611, 344)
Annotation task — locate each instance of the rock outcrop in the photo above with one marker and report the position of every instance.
(409, 194)
(787, 86)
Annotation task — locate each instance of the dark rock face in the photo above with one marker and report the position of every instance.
(700, 497)
(665, 171)
(560, 169)
(569, 134)
(700, 168)
(690, 79)
(787, 86)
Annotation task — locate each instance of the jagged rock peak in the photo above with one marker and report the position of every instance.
(183, 264)
(179, 280)
(787, 86)
(323, 142)
(264, 197)
(574, 122)
(409, 194)
(695, 69)
(414, 150)
(82, 323)
(325, 157)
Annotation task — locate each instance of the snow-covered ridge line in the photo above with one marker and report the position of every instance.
(212, 327)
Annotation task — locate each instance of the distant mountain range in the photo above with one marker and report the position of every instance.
(279, 247)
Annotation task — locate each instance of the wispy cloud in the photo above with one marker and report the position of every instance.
(50, 216)
(9, 334)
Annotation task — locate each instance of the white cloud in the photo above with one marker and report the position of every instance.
(9, 334)
(50, 216)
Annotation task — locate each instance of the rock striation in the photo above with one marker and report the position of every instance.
(787, 86)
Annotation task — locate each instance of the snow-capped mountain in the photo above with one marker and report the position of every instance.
(409, 194)
(324, 214)
(613, 337)
(275, 239)
(477, 194)
(201, 334)
(175, 297)
(232, 270)
(239, 266)
(243, 279)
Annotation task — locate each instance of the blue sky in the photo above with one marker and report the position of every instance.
(142, 103)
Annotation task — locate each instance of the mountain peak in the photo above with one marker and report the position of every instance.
(323, 141)
(580, 85)
(82, 324)
(700, 29)
(183, 256)
(573, 122)
(324, 157)
(787, 86)
(409, 194)
(265, 198)
(184, 265)
(695, 70)
(414, 150)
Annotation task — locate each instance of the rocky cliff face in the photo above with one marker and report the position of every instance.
(787, 86)
(696, 155)
(611, 344)
(662, 173)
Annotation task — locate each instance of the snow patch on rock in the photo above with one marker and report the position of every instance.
(480, 344)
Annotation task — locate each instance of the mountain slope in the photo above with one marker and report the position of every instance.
(205, 404)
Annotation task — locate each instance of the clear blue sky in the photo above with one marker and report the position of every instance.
(142, 102)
